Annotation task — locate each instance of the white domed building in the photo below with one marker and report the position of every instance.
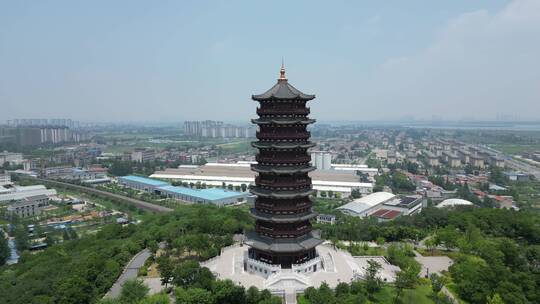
(452, 202)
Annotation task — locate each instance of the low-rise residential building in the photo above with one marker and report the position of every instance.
(143, 155)
(516, 176)
(432, 159)
(326, 219)
(411, 157)
(451, 159)
(5, 179)
(464, 155)
(391, 157)
(496, 160)
(477, 161)
(11, 158)
(28, 206)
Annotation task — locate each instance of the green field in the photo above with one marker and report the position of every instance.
(515, 148)
(236, 147)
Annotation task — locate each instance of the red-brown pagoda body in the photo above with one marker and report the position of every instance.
(283, 233)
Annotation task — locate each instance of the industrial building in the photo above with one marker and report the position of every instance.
(383, 206)
(236, 174)
(21, 192)
(215, 196)
(363, 206)
(141, 183)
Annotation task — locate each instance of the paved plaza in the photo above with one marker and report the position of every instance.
(338, 266)
(433, 264)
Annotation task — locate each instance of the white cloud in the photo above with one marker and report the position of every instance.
(481, 64)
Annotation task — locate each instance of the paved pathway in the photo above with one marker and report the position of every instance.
(432, 264)
(130, 272)
(290, 296)
(450, 295)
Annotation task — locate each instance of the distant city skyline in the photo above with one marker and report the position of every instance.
(170, 62)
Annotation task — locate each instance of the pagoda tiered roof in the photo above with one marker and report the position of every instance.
(282, 90)
(283, 121)
(282, 145)
(282, 169)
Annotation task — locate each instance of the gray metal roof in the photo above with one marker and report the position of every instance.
(283, 90)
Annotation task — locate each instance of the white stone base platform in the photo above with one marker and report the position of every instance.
(335, 266)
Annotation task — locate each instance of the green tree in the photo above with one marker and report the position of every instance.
(436, 283)
(227, 292)
(21, 237)
(193, 296)
(373, 281)
(495, 299)
(165, 268)
(121, 168)
(189, 273)
(133, 291)
(4, 249)
(160, 298)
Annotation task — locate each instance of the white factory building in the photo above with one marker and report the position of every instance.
(383, 206)
(236, 174)
(17, 193)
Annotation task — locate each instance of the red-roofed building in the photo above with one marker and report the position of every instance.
(385, 214)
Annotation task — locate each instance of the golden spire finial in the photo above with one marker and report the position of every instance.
(282, 76)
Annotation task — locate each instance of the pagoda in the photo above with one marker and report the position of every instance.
(283, 237)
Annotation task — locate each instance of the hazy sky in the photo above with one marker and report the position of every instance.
(176, 60)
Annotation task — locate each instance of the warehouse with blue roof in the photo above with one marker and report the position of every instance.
(215, 196)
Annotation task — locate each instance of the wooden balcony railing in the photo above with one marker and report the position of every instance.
(283, 111)
(297, 136)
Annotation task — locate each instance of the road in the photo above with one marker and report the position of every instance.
(514, 163)
(130, 272)
(138, 203)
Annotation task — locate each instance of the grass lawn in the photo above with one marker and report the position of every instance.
(419, 295)
(326, 205)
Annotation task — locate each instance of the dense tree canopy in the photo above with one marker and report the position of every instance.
(82, 270)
